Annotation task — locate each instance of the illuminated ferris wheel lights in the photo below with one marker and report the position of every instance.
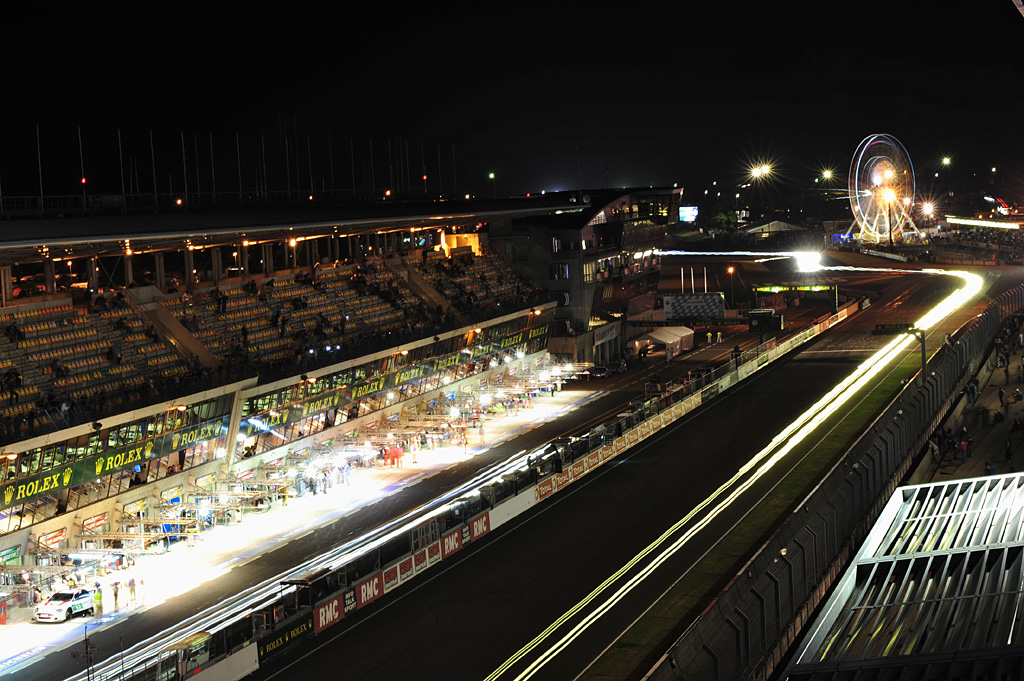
(881, 183)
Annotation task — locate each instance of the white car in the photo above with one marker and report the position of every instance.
(64, 605)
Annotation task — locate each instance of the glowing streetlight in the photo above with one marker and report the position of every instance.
(946, 160)
(732, 289)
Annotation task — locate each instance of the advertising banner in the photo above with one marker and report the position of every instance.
(54, 538)
(328, 613)
(419, 560)
(451, 543)
(172, 494)
(405, 570)
(49, 481)
(285, 637)
(544, 489)
(95, 522)
(369, 590)
(390, 576)
(480, 526)
(433, 553)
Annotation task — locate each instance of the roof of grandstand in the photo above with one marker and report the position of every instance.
(103, 233)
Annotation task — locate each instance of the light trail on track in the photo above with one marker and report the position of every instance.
(665, 546)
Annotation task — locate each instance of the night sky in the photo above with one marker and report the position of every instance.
(546, 95)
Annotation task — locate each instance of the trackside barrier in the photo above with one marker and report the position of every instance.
(317, 598)
(750, 626)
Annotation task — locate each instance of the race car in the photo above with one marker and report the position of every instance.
(64, 605)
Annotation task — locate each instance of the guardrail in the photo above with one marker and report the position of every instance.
(234, 638)
(749, 628)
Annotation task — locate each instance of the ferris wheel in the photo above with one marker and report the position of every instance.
(882, 190)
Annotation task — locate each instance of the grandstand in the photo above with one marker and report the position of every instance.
(117, 394)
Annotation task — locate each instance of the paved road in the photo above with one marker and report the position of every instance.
(695, 468)
(469, 617)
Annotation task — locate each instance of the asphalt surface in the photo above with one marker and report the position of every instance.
(466, 620)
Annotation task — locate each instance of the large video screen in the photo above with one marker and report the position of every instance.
(687, 213)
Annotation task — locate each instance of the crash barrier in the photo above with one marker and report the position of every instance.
(232, 639)
(750, 626)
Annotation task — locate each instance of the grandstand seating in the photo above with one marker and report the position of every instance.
(348, 305)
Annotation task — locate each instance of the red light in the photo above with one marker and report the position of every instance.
(424, 178)
(83, 180)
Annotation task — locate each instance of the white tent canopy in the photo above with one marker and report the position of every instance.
(680, 337)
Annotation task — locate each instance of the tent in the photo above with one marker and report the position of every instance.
(675, 339)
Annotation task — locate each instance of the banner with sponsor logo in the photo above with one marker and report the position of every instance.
(328, 613)
(419, 561)
(433, 553)
(10, 553)
(96, 522)
(172, 494)
(480, 525)
(369, 590)
(285, 637)
(544, 489)
(69, 475)
(389, 577)
(53, 538)
(451, 543)
(405, 570)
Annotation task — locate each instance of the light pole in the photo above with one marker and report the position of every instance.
(494, 186)
(732, 289)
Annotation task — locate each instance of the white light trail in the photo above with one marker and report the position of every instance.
(766, 459)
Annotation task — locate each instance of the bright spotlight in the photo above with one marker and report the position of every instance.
(808, 262)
